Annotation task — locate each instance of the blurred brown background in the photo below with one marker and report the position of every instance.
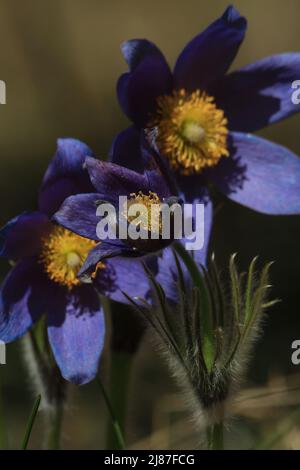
(60, 61)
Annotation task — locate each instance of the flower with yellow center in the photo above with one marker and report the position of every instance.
(63, 254)
(192, 131)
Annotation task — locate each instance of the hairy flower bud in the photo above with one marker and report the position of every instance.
(206, 338)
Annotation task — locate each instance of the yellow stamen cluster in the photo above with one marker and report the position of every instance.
(192, 131)
(150, 219)
(63, 254)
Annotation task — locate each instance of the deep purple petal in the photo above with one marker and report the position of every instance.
(120, 275)
(23, 299)
(260, 93)
(130, 150)
(78, 214)
(260, 175)
(160, 179)
(148, 78)
(113, 180)
(126, 149)
(193, 188)
(102, 251)
(76, 332)
(65, 175)
(22, 235)
(209, 55)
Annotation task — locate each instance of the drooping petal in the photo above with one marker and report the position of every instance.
(260, 93)
(78, 214)
(112, 180)
(23, 299)
(102, 251)
(65, 175)
(137, 150)
(132, 150)
(120, 275)
(22, 235)
(148, 78)
(209, 55)
(260, 175)
(158, 175)
(76, 331)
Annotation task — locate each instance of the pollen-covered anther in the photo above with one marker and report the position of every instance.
(100, 265)
(192, 131)
(63, 254)
(149, 218)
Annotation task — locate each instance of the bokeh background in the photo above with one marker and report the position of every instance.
(60, 60)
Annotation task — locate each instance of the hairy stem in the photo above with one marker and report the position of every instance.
(46, 380)
(217, 436)
(53, 426)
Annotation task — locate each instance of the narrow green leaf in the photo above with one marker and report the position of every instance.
(196, 327)
(186, 309)
(205, 307)
(160, 328)
(235, 290)
(115, 423)
(161, 297)
(249, 290)
(31, 423)
(256, 301)
(271, 303)
(218, 293)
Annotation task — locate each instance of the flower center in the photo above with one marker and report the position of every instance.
(149, 218)
(63, 254)
(192, 131)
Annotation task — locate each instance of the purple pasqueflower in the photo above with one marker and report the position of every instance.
(44, 277)
(202, 116)
(79, 213)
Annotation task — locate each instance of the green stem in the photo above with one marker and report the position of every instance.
(119, 384)
(49, 383)
(31, 423)
(116, 426)
(217, 436)
(125, 332)
(54, 424)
